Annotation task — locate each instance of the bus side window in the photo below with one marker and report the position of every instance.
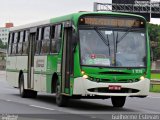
(10, 40)
(52, 39)
(38, 41)
(25, 43)
(46, 41)
(56, 38)
(20, 42)
(14, 44)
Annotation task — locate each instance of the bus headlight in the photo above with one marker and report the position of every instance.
(85, 76)
(82, 72)
(142, 78)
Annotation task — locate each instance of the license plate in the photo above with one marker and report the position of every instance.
(114, 87)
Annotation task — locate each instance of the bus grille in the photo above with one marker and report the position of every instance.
(113, 81)
(106, 90)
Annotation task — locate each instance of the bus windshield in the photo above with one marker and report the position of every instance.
(112, 48)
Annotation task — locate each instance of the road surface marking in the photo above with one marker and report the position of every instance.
(41, 107)
(93, 117)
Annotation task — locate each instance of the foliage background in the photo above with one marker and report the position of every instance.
(154, 35)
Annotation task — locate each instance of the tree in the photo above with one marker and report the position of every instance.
(154, 36)
(2, 45)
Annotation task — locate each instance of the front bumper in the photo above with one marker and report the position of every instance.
(82, 86)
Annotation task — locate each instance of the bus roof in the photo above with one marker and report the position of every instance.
(30, 25)
(73, 16)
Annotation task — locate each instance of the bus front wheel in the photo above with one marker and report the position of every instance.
(61, 100)
(118, 101)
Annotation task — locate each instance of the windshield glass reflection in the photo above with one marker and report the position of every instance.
(112, 48)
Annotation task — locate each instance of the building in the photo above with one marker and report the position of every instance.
(2, 59)
(4, 31)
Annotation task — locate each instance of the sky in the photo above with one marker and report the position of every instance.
(27, 11)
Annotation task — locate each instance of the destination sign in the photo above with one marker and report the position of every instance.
(113, 22)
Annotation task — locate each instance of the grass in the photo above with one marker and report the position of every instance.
(155, 76)
(155, 88)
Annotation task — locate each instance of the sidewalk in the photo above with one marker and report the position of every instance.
(2, 72)
(152, 94)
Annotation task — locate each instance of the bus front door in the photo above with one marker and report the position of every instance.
(31, 51)
(67, 61)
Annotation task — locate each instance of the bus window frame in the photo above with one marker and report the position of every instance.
(55, 38)
(25, 41)
(38, 41)
(10, 42)
(20, 42)
(45, 40)
(15, 43)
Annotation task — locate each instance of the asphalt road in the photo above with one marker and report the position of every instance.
(44, 106)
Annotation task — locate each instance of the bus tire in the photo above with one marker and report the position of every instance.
(23, 92)
(61, 100)
(118, 101)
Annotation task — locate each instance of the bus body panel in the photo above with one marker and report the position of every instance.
(22, 62)
(53, 66)
(25, 74)
(12, 71)
(82, 86)
(44, 68)
(40, 63)
(11, 63)
(12, 77)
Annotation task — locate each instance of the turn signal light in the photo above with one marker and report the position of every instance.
(142, 78)
(85, 76)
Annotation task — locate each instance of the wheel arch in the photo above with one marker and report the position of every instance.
(53, 82)
(20, 73)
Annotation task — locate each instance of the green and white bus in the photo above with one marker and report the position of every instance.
(82, 55)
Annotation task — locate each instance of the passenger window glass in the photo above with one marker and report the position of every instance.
(45, 43)
(38, 46)
(25, 43)
(20, 45)
(56, 40)
(45, 46)
(46, 33)
(58, 31)
(11, 38)
(21, 36)
(38, 41)
(52, 32)
(26, 35)
(39, 33)
(25, 47)
(14, 46)
(16, 38)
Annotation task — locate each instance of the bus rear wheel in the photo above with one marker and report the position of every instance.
(23, 92)
(118, 101)
(61, 100)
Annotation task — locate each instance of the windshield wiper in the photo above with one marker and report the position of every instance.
(106, 41)
(124, 35)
